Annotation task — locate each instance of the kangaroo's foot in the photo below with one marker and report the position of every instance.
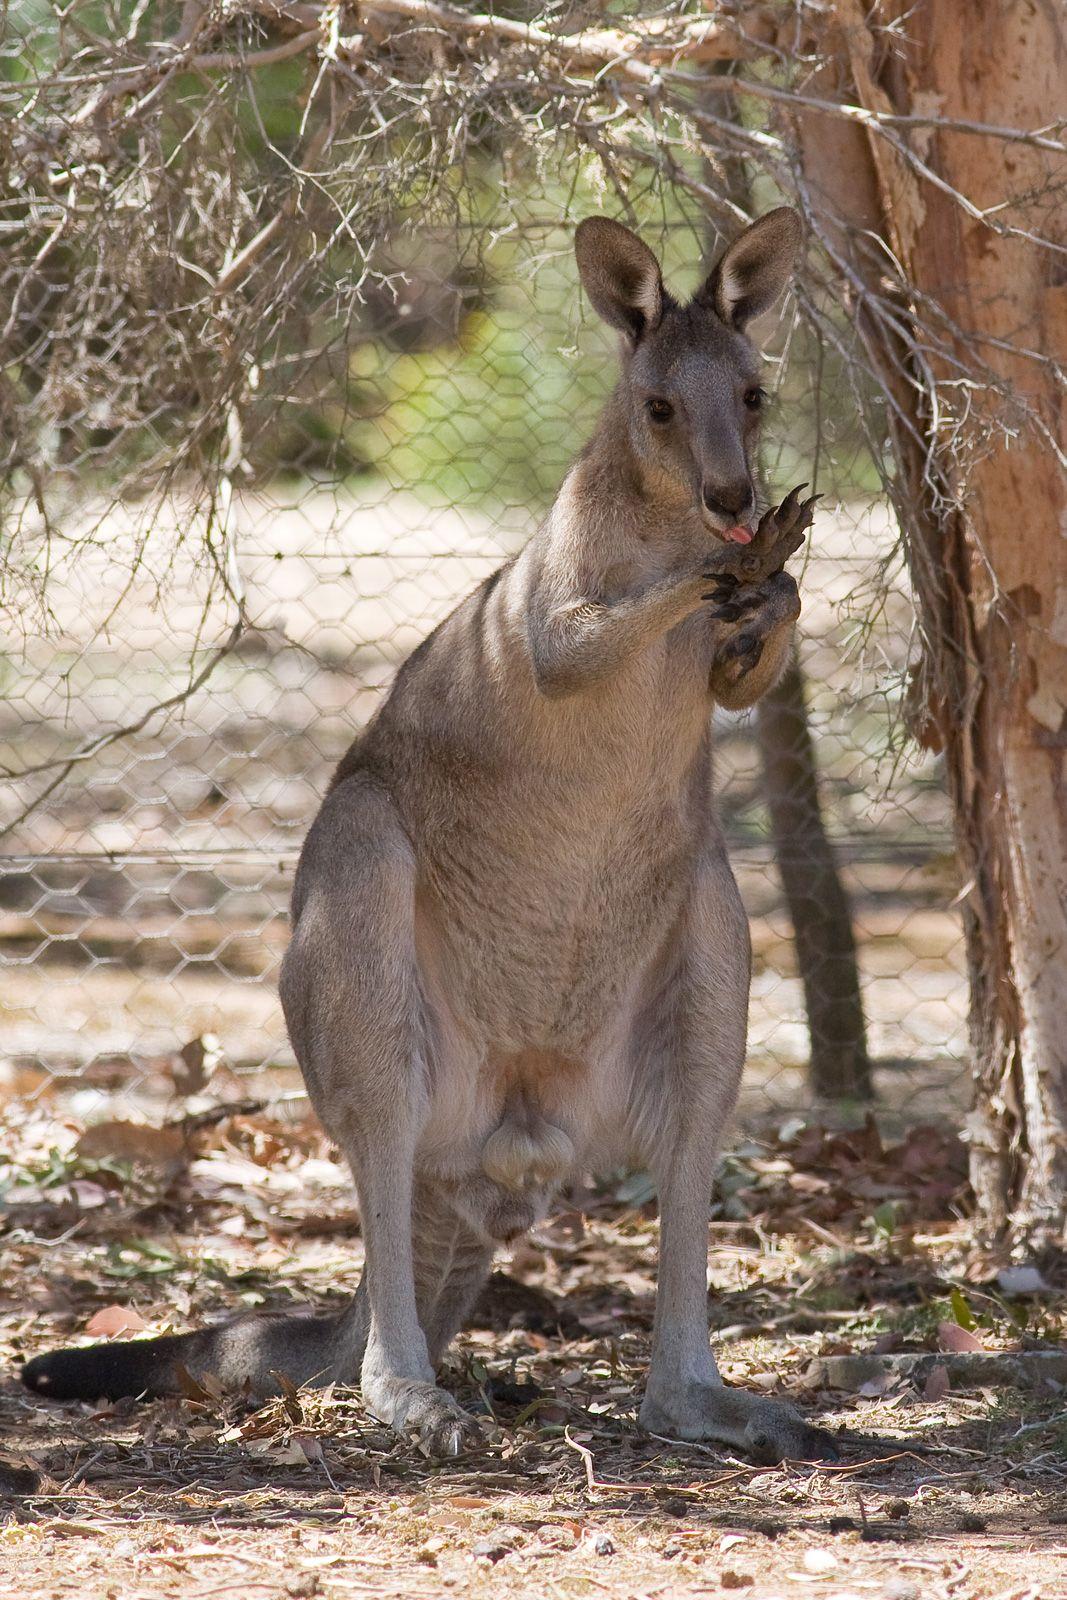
(766, 1431)
(419, 1409)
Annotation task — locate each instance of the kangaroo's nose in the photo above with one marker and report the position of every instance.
(729, 499)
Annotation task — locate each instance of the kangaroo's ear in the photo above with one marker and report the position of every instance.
(620, 275)
(755, 268)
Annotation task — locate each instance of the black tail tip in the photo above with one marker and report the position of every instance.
(100, 1372)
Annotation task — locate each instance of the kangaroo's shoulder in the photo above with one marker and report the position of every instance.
(427, 695)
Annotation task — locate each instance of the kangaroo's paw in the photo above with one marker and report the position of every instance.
(757, 610)
(421, 1411)
(766, 1431)
(781, 531)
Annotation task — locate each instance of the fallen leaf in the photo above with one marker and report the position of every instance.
(288, 1454)
(19, 1475)
(937, 1384)
(137, 1142)
(959, 1340)
(196, 1062)
(114, 1321)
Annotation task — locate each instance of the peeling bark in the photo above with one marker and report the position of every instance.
(984, 510)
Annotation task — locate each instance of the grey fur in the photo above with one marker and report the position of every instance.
(518, 950)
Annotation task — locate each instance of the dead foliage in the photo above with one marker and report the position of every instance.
(831, 1250)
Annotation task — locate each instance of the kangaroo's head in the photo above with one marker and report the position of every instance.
(691, 391)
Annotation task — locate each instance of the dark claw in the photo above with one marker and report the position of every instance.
(789, 512)
(716, 571)
(766, 526)
(788, 508)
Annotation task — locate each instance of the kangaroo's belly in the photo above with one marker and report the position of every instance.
(535, 972)
(543, 950)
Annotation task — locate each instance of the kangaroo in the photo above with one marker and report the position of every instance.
(518, 951)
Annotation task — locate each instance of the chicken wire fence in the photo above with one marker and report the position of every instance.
(293, 356)
(182, 670)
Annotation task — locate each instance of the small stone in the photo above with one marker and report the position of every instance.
(305, 1587)
(897, 1509)
(1022, 1280)
(490, 1550)
(736, 1580)
(900, 1589)
(969, 1523)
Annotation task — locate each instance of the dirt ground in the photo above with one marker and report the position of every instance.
(826, 1248)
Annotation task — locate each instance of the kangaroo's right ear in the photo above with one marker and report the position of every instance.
(620, 275)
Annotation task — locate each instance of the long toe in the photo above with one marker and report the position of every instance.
(421, 1412)
(787, 1437)
(450, 1438)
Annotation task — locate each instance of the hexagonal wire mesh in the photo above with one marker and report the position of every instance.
(184, 667)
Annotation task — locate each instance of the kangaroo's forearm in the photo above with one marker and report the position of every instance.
(587, 642)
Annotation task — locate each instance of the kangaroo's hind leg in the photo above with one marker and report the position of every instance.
(352, 1002)
(452, 1262)
(690, 1049)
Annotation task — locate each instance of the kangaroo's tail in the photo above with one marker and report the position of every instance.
(247, 1354)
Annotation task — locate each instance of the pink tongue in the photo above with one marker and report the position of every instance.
(738, 535)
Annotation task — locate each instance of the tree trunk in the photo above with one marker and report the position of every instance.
(818, 905)
(819, 908)
(1010, 756)
(984, 510)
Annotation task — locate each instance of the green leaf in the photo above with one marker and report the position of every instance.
(961, 1310)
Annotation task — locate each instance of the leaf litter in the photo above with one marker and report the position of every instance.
(828, 1246)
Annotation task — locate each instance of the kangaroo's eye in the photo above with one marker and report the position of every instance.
(754, 398)
(660, 410)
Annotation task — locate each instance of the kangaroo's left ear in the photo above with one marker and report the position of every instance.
(755, 268)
